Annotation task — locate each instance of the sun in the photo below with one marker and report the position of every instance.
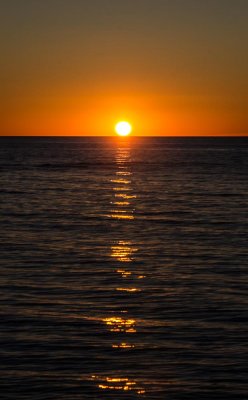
(123, 128)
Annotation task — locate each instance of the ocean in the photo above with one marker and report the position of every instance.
(123, 268)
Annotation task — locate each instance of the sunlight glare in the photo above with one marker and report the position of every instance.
(123, 128)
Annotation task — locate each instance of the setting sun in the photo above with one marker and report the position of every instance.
(123, 128)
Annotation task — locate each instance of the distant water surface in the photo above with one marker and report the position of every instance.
(124, 268)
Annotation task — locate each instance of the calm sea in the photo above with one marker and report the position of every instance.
(124, 268)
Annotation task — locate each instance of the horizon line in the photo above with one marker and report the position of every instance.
(126, 137)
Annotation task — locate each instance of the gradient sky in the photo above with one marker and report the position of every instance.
(171, 67)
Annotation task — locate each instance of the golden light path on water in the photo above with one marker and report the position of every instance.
(119, 384)
(123, 251)
(118, 324)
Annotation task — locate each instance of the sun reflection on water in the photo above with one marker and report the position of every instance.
(118, 324)
(124, 273)
(123, 173)
(120, 216)
(125, 196)
(122, 186)
(121, 203)
(123, 253)
(124, 181)
(123, 346)
(119, 384)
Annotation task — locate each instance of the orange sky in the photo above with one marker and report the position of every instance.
(170, 68)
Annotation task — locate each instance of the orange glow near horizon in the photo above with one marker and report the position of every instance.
(85, 68)
(70, 115)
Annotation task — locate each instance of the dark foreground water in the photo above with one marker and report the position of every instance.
(124, 268)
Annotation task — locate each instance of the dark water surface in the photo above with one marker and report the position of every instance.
(124, 268)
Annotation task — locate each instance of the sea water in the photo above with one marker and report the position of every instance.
(124, 268)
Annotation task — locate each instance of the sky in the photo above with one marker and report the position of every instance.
(170, 67)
